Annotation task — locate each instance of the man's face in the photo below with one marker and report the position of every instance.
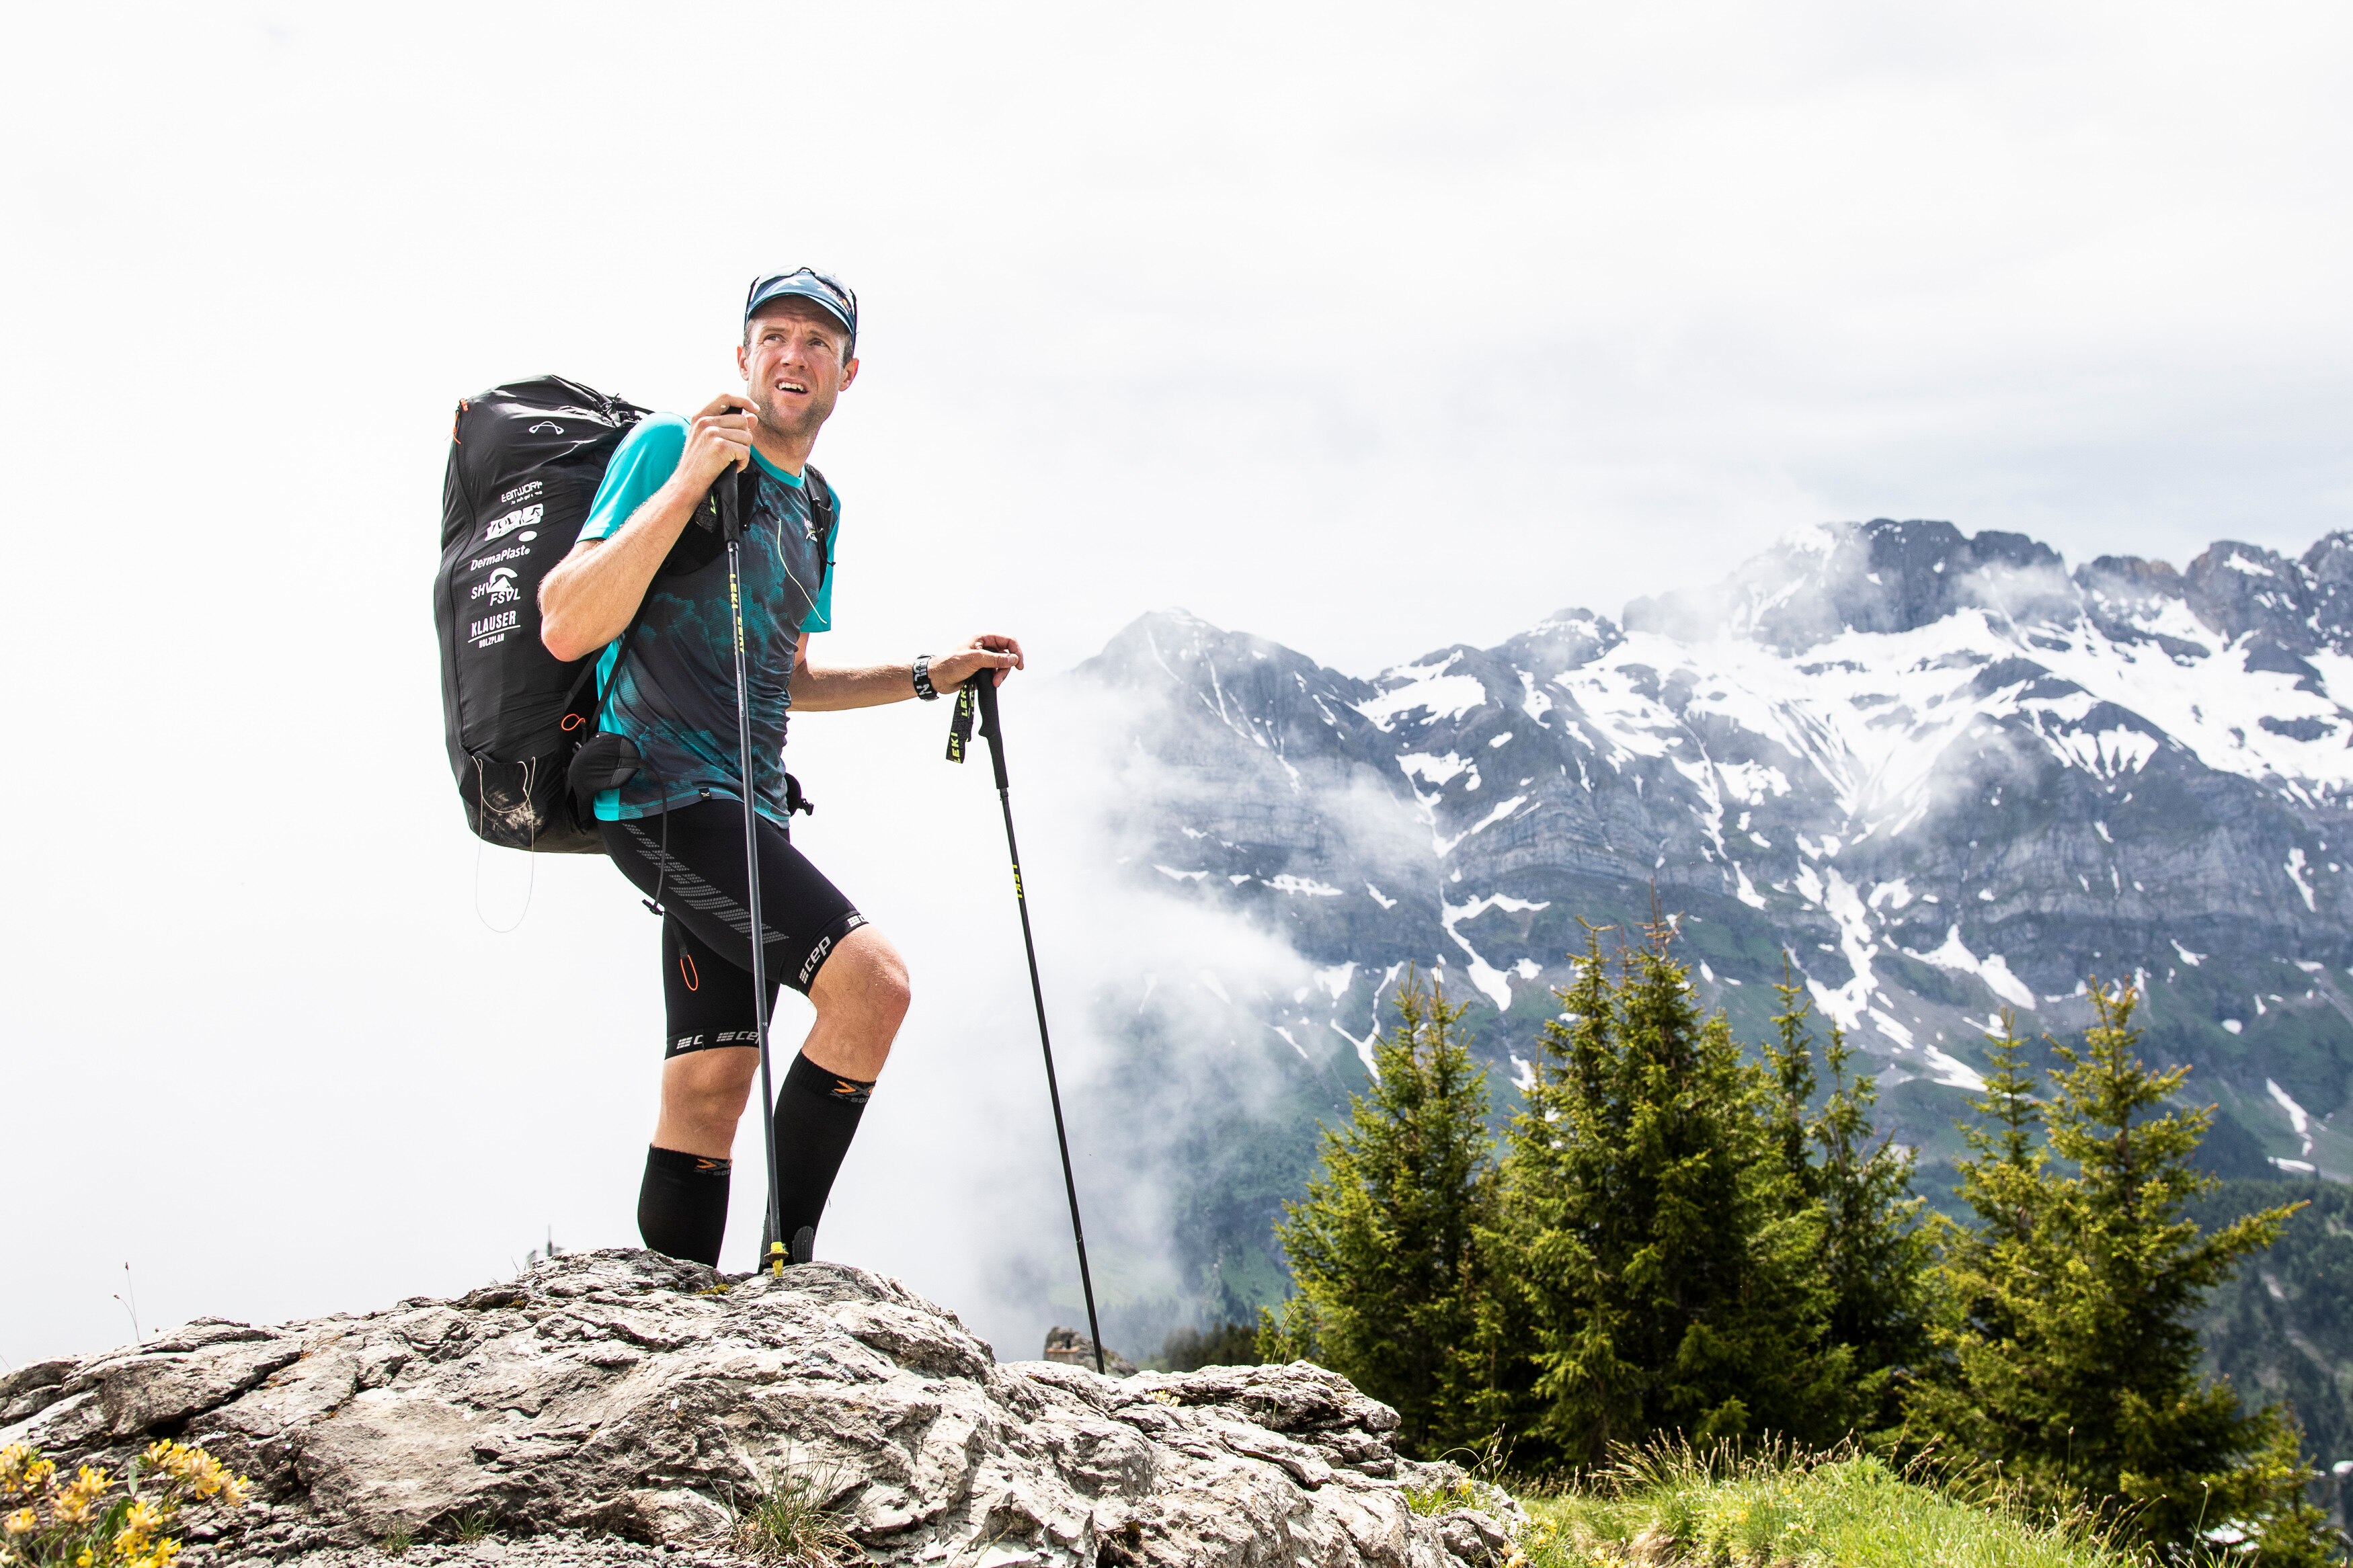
(792, 366)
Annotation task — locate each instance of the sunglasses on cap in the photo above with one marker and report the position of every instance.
(806, 283)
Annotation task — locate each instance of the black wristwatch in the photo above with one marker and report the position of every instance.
(923, 687)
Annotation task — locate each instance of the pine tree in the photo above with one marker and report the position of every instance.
(1654, 1259)
(1876, 1255)
(1383, 1246)
(1994, 1275)
(2076, 1364)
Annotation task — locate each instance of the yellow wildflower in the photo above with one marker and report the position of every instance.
(22, 1469)
(159, 1555)
(139, 1521)
(72, 1506)
(21, 1522)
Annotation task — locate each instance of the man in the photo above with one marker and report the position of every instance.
(676, 828)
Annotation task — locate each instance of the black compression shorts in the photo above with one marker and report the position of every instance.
(699, 879)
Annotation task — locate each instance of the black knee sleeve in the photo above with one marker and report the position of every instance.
(683, 1205)
(816, 1116)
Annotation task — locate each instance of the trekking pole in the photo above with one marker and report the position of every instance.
(730, 528)
(981, 690)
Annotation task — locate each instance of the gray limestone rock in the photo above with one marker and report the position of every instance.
(615, 1406)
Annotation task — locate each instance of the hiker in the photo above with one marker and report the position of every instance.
(676, 828)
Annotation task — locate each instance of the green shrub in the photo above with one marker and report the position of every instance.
(790, 1522)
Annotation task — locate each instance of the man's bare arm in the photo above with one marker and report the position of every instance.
(587, 600)
(825, 689)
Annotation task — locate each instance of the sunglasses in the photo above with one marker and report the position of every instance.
(842, 293)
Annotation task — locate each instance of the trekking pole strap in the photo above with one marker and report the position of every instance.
(960, 723)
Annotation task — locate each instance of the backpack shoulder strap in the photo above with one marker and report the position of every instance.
(688, 552)
(603, 688)
(824, 513)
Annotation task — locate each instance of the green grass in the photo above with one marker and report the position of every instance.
(1673, 1506)
(789, 1522)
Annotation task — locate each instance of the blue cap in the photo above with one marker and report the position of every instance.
(802, 283)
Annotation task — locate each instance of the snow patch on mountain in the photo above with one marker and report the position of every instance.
(1425, 689)
(1944, 773)
(2299, 1119)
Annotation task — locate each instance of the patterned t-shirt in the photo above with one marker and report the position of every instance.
(675, 696)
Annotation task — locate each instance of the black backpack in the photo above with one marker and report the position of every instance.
(525, 461)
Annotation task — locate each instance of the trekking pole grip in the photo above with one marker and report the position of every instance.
(984, 687)
(731, 511)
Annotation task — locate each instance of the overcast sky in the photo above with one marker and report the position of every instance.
(1366, 328)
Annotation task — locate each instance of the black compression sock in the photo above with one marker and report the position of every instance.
(816, 1116)
(682, 1205)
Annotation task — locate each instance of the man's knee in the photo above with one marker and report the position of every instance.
(865, 975)
(710, 1082)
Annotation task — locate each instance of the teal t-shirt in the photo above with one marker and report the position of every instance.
(674, 696)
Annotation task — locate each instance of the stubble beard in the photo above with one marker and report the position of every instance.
(785, 429)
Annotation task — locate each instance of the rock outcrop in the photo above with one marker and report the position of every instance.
(616, 1406)
(1070, 1348)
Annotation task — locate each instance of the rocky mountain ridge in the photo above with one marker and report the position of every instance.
(1945, 775)
(603, 1400)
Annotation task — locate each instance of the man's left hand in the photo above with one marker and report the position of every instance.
(988, 651)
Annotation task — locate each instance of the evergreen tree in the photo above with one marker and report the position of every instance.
(2074, 1360)
(1654, 1259)
(1994, 1274)
(1876, 1255)
(1383, 1246)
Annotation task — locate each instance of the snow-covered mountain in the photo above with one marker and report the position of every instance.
(1945, 773)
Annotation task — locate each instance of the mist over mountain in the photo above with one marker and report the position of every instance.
(1945, 773)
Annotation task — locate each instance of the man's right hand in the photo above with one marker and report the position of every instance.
(719, 440)
(587, 600)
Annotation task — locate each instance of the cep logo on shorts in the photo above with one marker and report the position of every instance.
(816, 957)
(684, 1043)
